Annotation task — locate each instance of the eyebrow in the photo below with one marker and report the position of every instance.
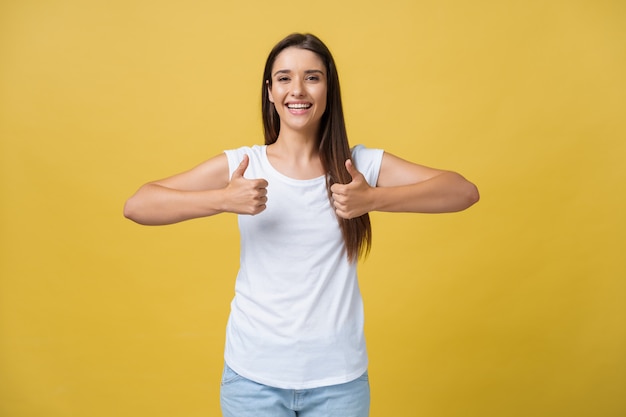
(311, 71)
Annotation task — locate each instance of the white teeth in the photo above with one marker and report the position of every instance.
(298, 106)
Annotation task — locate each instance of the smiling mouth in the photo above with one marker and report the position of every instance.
(299, 106)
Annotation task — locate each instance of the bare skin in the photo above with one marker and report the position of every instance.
(403, 187)
(298, 92)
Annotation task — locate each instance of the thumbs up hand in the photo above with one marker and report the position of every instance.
(353, 199)
(244, 196)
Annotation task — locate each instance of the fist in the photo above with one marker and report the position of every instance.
(245, 196)
(353, 199)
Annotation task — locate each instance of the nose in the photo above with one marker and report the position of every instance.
(297, 89)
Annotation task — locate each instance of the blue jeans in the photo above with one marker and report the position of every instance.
(241, 397)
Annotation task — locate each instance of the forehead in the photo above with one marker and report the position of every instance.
(294, 59)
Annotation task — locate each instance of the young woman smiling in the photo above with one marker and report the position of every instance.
(294, 338)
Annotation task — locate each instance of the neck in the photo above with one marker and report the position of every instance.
(296, 156)
(301, 145)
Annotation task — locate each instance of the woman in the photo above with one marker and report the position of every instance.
(294, 340)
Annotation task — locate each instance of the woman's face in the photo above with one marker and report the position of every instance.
(298, 90)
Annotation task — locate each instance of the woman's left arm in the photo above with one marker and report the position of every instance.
(403, 187)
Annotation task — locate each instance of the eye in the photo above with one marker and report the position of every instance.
(282, 78)
(313, 78)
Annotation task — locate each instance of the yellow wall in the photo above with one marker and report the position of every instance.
(516, 307)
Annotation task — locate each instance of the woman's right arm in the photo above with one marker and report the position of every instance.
(202, 191)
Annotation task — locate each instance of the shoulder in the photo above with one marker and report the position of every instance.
(368, 161)
(364, 155)
(234, 156)
(246, 150)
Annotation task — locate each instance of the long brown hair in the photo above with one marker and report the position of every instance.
(334, 149)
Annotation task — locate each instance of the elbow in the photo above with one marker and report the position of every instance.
(465, 194)
(471, 195)
(131, 211)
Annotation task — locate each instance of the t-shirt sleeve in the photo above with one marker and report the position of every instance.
(235, 156)
(368, 162)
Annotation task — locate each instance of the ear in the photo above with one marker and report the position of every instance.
(269, 91)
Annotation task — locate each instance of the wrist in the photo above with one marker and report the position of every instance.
(375, 199)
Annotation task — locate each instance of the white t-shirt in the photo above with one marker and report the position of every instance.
(296, 320)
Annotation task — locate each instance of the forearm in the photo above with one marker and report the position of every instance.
(444, 193)
(154, 204)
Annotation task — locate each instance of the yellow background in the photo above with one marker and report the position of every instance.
(516, 307)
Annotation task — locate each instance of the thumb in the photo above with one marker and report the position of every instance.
(352, 169)
(242, 167)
